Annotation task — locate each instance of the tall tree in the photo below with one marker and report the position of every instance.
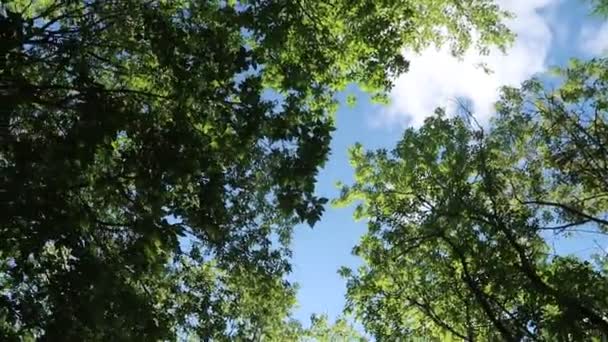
(156, 154)
(459, 215)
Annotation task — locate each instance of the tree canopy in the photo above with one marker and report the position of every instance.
(320, 330)
(155, 155)
(459, 217)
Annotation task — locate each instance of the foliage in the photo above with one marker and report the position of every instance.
(599, 6)
(156, 154)
(320, 330)
(458, 218)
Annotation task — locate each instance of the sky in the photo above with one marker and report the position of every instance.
(549, 32)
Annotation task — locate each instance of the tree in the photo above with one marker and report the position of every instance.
(458, 219)
(155, 155)
(320, 330)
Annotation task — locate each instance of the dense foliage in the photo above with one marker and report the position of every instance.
(459, 218)
(156, 154)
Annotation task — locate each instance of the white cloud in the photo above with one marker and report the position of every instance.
(594, 39)
(436, 78)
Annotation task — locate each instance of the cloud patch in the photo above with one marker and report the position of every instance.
(594, 39)
(438, 79)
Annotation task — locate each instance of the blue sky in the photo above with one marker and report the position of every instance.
(549, 33)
